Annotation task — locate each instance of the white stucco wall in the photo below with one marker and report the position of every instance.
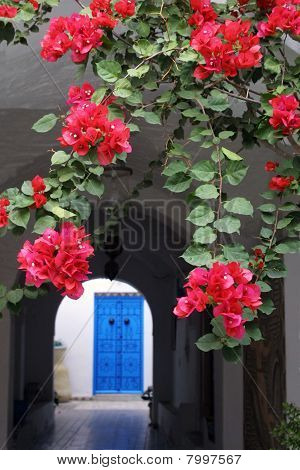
(75, 328)
(292, 325)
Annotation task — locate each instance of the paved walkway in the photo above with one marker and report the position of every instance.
(106, 423)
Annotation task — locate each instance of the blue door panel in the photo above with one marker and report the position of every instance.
(118, 344)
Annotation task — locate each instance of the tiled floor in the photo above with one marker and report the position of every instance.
(109, 422)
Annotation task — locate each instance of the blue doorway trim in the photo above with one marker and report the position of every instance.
(118, 344)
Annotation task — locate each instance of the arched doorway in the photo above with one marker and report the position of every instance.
(107, 341)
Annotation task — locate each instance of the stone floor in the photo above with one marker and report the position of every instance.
(105, 423)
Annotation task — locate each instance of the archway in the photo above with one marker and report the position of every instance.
(78, 338)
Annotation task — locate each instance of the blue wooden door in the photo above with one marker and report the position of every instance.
(118, 344)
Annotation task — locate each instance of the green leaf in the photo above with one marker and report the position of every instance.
(267, 208)
(235, 172)
(62, 213)
(264, 287)
(99, 95)
(209, 342)
(231, 155)
(143, 29)
(283, 223)
(65, 174)
(109, 70)
(97, 170)
(43, 223)
(138, 72)
(203, 171)
(23, 201)
(150, 117)
(197, 255)
(3, 290)
(59, 158)
(20, 217)
(232, 354)
(178, 183)
(288, 206)
(204, 235)
(207, 191)
(177, 166)
(217, 101)
(288, 246)
(27, 188)
(272, 65)
(253, 331)
(235, 253)
(15, 296)
(201, 215)
(228, 224)
(31, 292)
(267, 307)
(94, 187)
(45, 124)
(226, 135)
(218, 327)
(27, 12)
(82, 206)
(188, 56)
(194, 113)
(239, 205)
(276, 270)
(144, 48)
(123, 88)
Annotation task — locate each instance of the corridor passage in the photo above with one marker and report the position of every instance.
(109, 422)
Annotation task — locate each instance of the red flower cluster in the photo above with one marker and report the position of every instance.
(259, 262)
(125, 8)
(4, 203)
(286, 113)
(228, 288)
(38, 186)
(271, 166)
(103, 11)
(59, 258)
(226, 47)
(78, 33)
(280, 183)
(284, 17)
(8, 11)
(87, 125)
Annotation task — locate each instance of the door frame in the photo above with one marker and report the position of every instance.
(112, 295)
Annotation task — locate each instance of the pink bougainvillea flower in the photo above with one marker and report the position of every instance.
(271, 166)
(286, 113)
(226, 47)
(38, 184)
(7, 11)
(184, 307)
(78, 33)
(58, 257)
(87, 126)
(284, 17)
(227, 288)
(4, 203)
(280, 183)
(125, 8)
(232, 317)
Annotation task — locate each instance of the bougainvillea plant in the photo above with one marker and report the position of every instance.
(153, 59)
